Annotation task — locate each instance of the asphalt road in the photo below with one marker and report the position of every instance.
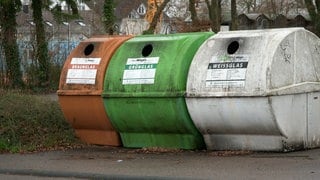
(121, 163)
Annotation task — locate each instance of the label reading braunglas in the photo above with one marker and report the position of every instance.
(227, 71)
(82, 70)
(140, 70)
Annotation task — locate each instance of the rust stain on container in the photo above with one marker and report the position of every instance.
(80, 88)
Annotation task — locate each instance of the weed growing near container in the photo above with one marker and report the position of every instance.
(32, 123)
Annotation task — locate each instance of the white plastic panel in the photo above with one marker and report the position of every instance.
(313, 120)
(256, 63)
(257, 90)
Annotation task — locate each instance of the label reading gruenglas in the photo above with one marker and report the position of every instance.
(140, 70)
(228, 71)
(82, 70)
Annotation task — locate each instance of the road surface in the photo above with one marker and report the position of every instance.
(121, 163)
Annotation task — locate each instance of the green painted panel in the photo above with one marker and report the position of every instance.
(144, 91)
(153, 122)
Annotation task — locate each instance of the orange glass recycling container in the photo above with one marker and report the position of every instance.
(80, 89)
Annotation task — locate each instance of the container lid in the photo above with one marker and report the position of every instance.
(85, 67)
(152, 65)
(256, 63)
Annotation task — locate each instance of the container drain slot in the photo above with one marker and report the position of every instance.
(147, 50)
(89, 49)
(233, 47)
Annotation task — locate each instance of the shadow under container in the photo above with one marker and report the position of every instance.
(257, 90)
(80, 88)
(144, 91)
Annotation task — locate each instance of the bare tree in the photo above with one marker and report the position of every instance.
(314, 11)
(156, 17)
(8, 10)
(109, 17)
(42, 56)
(249, 6)
(214, 8)
(192, 9)
(234, 15)
(273, 8)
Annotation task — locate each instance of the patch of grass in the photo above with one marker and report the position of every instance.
(32, 123)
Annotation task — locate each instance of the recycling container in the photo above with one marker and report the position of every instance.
(80, 88)
(257, 90)
(144, 91)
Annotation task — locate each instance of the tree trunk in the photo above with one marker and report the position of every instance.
(72, 4)
(214, 8)
(156, 17)
(109, 17)
(194, 16)
(274, 7)
(234, 15)
(8, 10)
(42, 45)
(314, 14)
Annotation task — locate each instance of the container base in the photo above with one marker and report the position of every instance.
(251, 142)
(174, 141)
(99, 137)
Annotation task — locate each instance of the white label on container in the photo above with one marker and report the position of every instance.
(82, 71)
(95, 61)
(227, 71)
(140, 70)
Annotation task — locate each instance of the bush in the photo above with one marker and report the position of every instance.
(31, 123)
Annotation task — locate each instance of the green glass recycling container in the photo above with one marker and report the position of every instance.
(144, 89)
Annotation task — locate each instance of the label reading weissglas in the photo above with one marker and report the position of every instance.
(229, 71)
